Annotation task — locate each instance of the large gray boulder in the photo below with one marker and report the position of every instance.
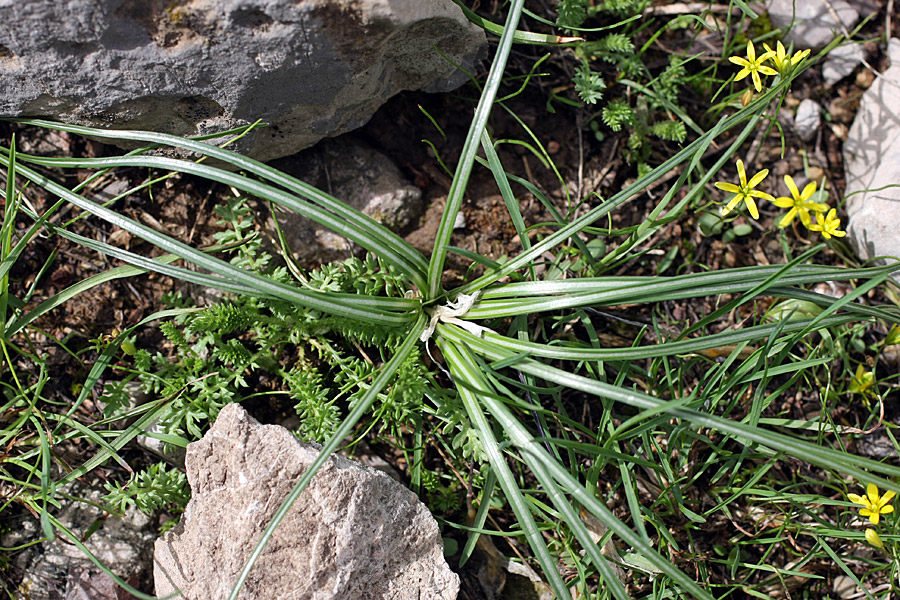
(354, 533)
(309, 68)
(872, 167)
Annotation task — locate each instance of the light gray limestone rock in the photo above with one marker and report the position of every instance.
(353, 534)
(841, 62)
(812, 22)
(357, 174)
(872, 167)
(806, 121)
(309, 68)
(55, 570)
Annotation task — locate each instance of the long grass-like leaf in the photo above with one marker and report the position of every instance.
(388, 250)
(472, 388)
(350, 306)
(267, 173)
(469, 379)
(810, 452)
(470, 148)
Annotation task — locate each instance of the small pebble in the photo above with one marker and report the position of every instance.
(460, 222)
(806, 121)
(865, 78)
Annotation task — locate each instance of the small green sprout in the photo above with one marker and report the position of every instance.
(753, 65)
(828, 225)
(745, 191)
(873, 505)
(799, 203)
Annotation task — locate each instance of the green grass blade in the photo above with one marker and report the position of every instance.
(472, 388)
(267, 173)
(350, 306)
(470, 148)
(388, 250)
(807, 451)
(469, 378)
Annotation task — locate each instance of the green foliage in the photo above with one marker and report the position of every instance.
(622, 7)
(588, 84)
(618, 113)
(651, 106)
(218, 350)
(671, 131)
(547, 385)
(571, 13)
(154, 488)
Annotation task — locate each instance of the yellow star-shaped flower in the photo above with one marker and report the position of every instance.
(828, 225)
(753, 66)
(784, 64)
(862, 381)
(800, 203)
(745, 191)
(873, 505)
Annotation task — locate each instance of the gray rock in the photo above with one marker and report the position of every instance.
(353, 534)
(841, 62)
(872, 166)
(357, 174)
(309, 68)
(806, 121)
(812, 23)
(55, 570)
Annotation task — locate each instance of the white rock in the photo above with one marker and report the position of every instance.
(841, 62)
(872, 167)
(812, 22)
(309, 68)
(354, 533)
(806, 121)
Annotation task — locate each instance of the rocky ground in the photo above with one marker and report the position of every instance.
(841, 123)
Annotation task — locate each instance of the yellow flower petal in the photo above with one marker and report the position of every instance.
(788, 218)
(871, 489)
(789, 182)
(751, 206)
(757, 82)
(731, 204)
(757, 179)
(857, 499)
(784, 202)
(763, 195)
(728, 187)
(742, 174)
(808, 191)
